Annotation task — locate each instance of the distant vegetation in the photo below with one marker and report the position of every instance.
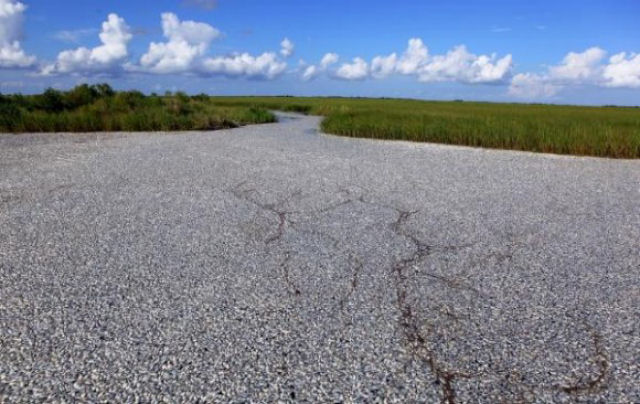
(591, 131)
(99, 108)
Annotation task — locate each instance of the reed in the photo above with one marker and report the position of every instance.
(575, 130)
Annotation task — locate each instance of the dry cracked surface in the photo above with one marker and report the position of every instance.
(272, 263)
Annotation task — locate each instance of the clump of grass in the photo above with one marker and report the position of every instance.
(99, 108)
(588, 131)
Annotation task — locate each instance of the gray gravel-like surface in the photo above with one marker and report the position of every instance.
(274, 263)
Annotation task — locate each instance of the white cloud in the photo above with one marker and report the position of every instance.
(185, 51)
(580, 69)
(329, 59)
(106, 58)
(623, 71)
(265, 66)
(579, 66)
(383, 66)
(413, 58)
(457, 65)
(287, 47)
(491, 70)
(462, 66)
(11, 19)
(187, 41)
(312, 71)
(357, 70)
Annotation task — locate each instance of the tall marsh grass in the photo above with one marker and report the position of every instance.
(587, 131)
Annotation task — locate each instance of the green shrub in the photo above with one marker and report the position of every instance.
(79, 96)
(103, 90)
(98, 108)
(51, 101)
(10, 116)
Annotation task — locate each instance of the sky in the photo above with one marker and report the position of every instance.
(569, 52)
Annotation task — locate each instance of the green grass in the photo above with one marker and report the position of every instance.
(588, 131)
(99, 108)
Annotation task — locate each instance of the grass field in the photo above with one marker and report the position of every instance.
(590, 131)
(98, 108)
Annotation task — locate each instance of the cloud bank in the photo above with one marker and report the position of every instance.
(587, 68)
(184, 51)
(186, 46)
(457, 65)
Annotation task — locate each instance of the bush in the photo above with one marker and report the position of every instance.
(88, 108)
(80, 96)
(51, 101)
(128, 100)
(10, 116)
(103, 90)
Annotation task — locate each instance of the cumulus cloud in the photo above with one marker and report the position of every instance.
(187, 41)
(265, 66)
(329, 59)
(106, 58)
(357, 70)
(312, 71)
(383, 66)
(579, 69)
(286, 47)
(185, 51)
(579, 66)
(414, 58)
(574, 69)
(11, 18)
(462, 66)
(457, 65)
(623, 71)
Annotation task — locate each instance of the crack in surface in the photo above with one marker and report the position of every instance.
(273, 208)
(282, 217)
(409, 321)
(416, 334)
(419, 341)
(284, 221)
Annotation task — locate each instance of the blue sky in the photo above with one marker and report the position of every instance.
(542, 51)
